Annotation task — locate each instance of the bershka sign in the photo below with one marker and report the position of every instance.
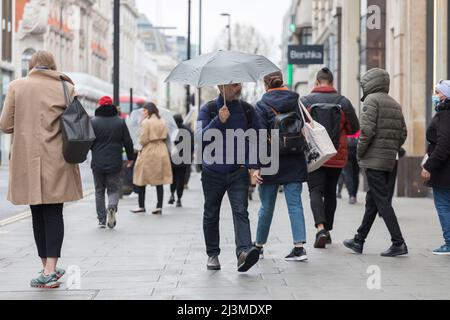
(305, 55)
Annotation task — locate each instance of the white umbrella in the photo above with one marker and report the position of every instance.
(222, 68)
(134, 126)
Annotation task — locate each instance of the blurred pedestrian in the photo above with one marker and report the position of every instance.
(39, 175)
(383, 133)
(180, 170)
(153, 166)
(293, 172)
(350, 174)
(436, 169)
(337, 114)
(112, 136)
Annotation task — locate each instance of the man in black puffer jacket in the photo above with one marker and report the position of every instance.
(112, 136)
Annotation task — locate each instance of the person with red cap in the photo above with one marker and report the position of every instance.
(112, 136)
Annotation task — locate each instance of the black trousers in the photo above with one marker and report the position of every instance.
(350, 176)
(48, 227)
(322, 189)
(179, 180)
(379, 200)
(159, 193)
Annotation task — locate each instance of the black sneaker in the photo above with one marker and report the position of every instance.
(297, 255)
(112, 221)
(213, 264)
(102, 225)
(260, 250)
(329, 239)
(248, 259)
(179, 204)
(356, 247)
(321, 240)
(396, 251)
(172, 200)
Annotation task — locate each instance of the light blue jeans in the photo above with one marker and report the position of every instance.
(268, 195)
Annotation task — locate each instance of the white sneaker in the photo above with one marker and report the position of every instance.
(133, 195)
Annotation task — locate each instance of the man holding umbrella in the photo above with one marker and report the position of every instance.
(228, 113)
(233, 179)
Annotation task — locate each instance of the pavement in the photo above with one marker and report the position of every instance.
(163, 257)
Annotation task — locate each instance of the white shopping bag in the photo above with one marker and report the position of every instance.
(320, 148)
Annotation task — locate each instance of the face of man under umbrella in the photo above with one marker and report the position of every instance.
(231, 92)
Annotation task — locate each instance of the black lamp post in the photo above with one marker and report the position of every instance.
(116, 71)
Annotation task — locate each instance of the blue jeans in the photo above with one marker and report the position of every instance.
(442, 202)
(268, 195)
(215, 185)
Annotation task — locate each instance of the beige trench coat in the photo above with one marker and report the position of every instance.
(38, 173)
(153, 166)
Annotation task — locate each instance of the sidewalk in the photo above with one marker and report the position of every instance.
(162, 257)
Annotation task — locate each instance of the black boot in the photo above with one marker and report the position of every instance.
(396, 251)
(354, 246)
(172, 199)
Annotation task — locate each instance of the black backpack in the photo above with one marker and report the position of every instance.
(329, 115)
(77, 131)
(290, 134)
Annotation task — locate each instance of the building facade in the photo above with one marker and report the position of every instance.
(6, 63)
(408, 38)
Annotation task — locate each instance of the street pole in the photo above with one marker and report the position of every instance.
(116, 52)
(229, 32)
(200, 49)
(188, 88)
(61, 31)
(229, 28)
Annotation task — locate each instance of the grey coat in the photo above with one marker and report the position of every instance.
(383, 127)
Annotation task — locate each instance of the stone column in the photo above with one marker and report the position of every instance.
(350, 50)
(406, 62)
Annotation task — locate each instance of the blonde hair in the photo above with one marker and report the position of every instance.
(42, 59)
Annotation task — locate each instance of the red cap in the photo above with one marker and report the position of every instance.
(105, 101)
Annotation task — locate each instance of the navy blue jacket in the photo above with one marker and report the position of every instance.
(293, 168)
(237, 120)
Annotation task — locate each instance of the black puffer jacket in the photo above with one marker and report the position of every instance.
(438, 136)
(112, 136)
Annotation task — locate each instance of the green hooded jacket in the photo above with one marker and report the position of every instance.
(383, 127)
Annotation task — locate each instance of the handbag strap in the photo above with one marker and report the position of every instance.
(304, 111)
(66, 92)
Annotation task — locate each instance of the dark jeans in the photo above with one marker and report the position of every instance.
(48, 227)
(215, 185)
(350, 176)
(379, 200)
(179, 180)
(111, 183)
(442, 202)
(322, 189)
(159, 193)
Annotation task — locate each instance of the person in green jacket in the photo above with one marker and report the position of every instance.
(383, 133)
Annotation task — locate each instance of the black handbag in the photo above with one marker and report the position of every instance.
(77, 131)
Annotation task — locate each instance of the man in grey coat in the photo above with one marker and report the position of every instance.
(383, 133)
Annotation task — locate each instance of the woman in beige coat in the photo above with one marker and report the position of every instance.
(38, 174)
(153, 166)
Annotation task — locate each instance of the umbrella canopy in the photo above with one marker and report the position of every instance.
(222, 68)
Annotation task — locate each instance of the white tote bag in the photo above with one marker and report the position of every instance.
(320, 148)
